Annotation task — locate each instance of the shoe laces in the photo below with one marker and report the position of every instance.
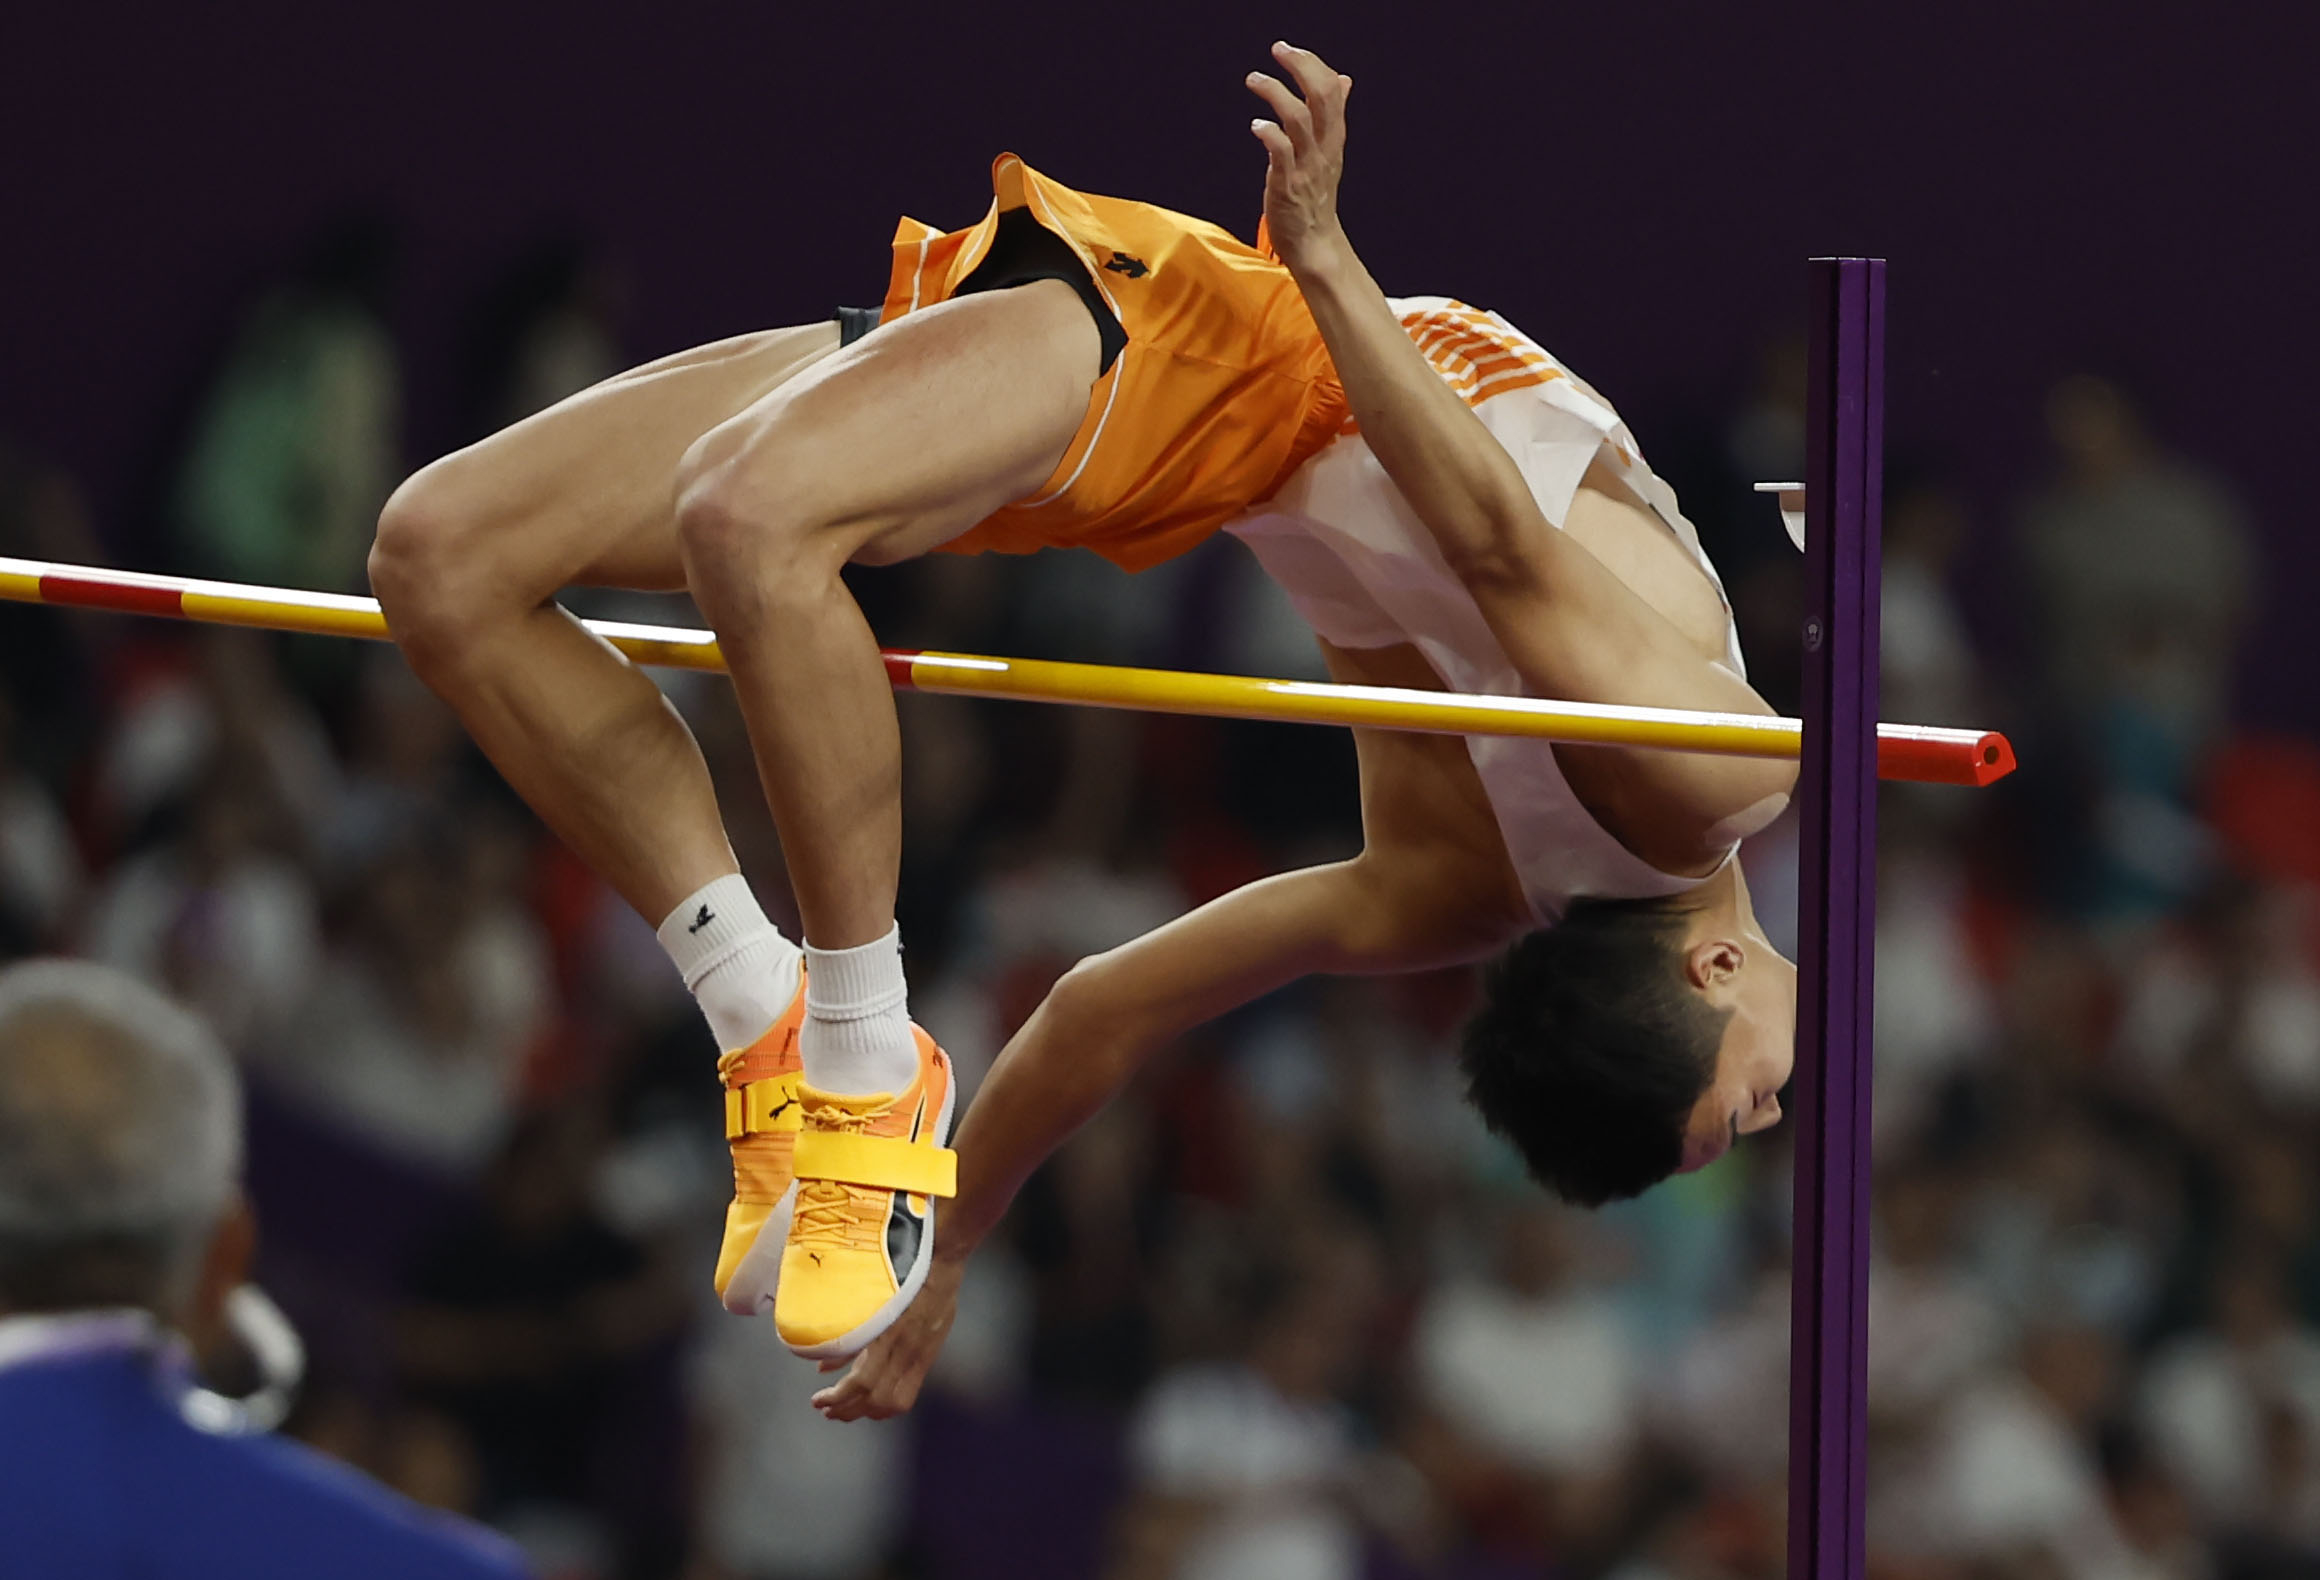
(736, 1064)
(831, 1212)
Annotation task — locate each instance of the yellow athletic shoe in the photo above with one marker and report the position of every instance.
(761, 1123)
(868, 1170)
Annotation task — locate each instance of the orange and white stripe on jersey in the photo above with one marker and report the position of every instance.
(1478, 354)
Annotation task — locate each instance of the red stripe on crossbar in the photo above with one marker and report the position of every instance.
(898, 662)
(81, 592)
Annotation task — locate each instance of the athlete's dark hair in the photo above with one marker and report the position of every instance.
(1590, 1049)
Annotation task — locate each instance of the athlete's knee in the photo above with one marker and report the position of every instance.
(743, 515)
(425, 566)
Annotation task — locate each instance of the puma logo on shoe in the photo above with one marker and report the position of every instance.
(704, 919)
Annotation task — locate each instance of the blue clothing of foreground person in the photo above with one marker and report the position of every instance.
(125, 1247)
(103, 1478)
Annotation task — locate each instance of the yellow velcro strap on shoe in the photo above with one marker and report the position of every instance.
(879, 1162)
(762, 1106)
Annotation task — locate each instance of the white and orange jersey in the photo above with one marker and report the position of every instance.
(1481, 355)
(1223, 410)
(1364, 571)
(1478, 354)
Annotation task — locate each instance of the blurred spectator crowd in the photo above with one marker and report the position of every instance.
(1283, 1311)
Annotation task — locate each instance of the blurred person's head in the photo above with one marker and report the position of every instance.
(235, 814)
(2250, 1301)
(1534, 1248)
(120, 1150)
(409, 917)
(1303, 1337)
(2094, 425)
(542, 330)
(1917, 1214)
(1632, 1039)
(2076, 1367)
(1925, 522)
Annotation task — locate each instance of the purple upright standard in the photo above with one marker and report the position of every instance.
(1836, 922)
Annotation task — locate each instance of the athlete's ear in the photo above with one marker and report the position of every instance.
(1713, 962)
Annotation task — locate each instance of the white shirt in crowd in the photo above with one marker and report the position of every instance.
(791, 1495)
(1552, 1385)
(1273, 1468)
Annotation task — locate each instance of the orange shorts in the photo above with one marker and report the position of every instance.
(1222, 390)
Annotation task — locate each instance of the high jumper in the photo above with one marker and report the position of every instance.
(1446, 504)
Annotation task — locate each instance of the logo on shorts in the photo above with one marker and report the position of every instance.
(1133, 268)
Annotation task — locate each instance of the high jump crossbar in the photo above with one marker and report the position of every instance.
(1923, 753)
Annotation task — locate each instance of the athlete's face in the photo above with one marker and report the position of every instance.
(1748, 977)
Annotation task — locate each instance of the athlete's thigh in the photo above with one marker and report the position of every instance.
(583, 493)
(912, 435)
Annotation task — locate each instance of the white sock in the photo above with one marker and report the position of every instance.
(857, 1035)
(740, 969)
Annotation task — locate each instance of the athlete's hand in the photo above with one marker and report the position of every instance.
(884, 1379)
(1305, 154)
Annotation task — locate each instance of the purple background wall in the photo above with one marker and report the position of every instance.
(2059, 186)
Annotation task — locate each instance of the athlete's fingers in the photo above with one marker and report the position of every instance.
(1298, 64)
(857, 1369)
(1317, 82)
(1302, 61)
(855, 1399)
(1277, 146)
(1295, 118)
(841, 1400)
(872, 1394)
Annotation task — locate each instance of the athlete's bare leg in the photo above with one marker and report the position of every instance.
(889, 449)
(472, 548)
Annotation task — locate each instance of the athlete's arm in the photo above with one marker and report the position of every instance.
(1430, 888)
(1094, 1030)
(1569, 625)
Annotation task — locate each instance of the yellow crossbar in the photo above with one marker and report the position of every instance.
(1924, 753)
